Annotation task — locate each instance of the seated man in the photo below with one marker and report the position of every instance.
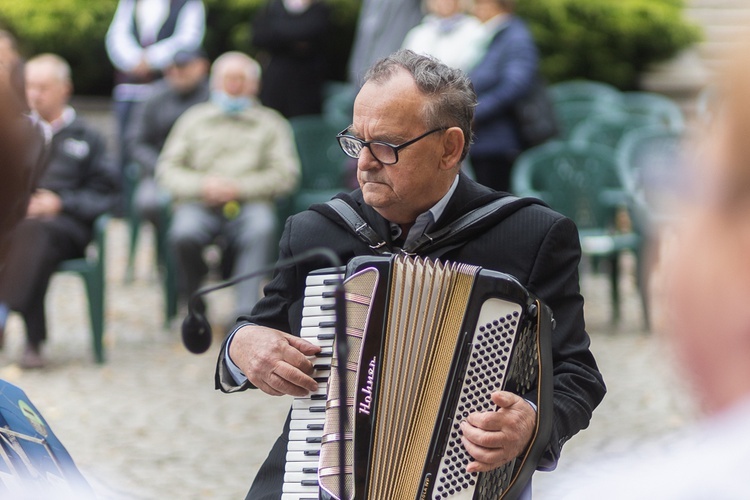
(185, 83)
(78, 184)
(411, 130)
(224, 163)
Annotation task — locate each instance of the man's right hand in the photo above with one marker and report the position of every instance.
(273, 361)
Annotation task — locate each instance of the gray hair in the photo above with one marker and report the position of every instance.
(451, 96)
(59, 66)
(249, 66)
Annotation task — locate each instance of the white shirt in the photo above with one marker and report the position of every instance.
(458, 41)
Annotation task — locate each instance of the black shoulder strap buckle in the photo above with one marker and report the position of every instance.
(358, 225)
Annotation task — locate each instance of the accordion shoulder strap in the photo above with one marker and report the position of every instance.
(436, 243)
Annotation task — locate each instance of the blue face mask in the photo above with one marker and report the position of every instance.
(230, 105)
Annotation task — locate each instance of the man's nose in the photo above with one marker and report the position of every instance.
(366, 160)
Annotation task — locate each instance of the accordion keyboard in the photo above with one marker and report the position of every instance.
(308, 413)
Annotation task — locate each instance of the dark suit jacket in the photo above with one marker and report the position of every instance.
(535, 244)
(503, 75)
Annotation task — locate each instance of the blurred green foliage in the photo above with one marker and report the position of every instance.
(607, 40)
(612, 41)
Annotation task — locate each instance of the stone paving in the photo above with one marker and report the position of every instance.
(148, 424)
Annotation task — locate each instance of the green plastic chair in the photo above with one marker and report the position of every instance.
(321, 159)
(338, 103)
(91, 269)
(583, 91)
(654, 105)
(573, 113)
(608, 130)
(580, 180)
(648, 161)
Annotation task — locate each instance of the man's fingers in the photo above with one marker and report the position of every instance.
(287, 377)
(302, 345)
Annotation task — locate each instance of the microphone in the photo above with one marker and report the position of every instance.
(196, 331)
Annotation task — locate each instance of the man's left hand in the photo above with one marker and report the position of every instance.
(494, 438)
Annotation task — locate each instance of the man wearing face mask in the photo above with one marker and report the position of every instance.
(224, 163)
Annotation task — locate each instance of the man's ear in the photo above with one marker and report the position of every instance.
(453, 146)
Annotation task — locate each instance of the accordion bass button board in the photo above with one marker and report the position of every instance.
(428, 343)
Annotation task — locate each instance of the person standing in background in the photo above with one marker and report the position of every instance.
(141, 42)
(291, 36)
(78, 184)
(502, 76)
(449, 34)
(380, 31)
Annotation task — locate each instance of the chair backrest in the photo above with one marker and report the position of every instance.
(656, 105)
(571, 114)
(609, 129)
(577, 179)
(338, 103)
(648, 160)
(323, 162)
(582, 90)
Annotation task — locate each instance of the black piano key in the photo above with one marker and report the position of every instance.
(320, 380)
(328, 307)
(312, 453)
(324, 354)
(328, 295)
(309, 482)
(322, 367)
(327, 324)
(309, 470)
(314, 427)
(317, 409)
(317, 439)
(327, 336)
(317, 397)
(333, 281)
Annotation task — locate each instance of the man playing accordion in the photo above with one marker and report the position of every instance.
(412, 126)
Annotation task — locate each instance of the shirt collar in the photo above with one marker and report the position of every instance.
(427, 219)
(66, 118)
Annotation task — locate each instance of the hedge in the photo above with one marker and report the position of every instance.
(608, 40)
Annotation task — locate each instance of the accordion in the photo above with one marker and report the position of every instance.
(428, 342)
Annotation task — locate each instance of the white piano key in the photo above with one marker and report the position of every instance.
(317, 320)
(298, 477)
(318, 300)
(301, 425)
(314, 331)
(298, 488)
(306, 415)
(302, 446)
(304, 435)
(300, 403)
(299, 456)
(314, 279)
(300, 466)
(318, 291)
(299, 496)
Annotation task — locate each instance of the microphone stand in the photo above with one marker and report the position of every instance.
(196, 332)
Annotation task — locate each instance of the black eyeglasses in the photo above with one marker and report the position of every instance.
(385, 153)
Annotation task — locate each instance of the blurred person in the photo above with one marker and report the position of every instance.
(448, 33)
(224, 163)
(291, 36)
(23, 140)
(702, 288)
(185, 84)
(502, 75)
(78, 184)
(141, 42)
(381, 28)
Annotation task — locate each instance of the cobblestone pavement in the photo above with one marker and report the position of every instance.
(148, 424)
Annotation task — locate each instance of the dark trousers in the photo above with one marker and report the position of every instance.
(37, 246)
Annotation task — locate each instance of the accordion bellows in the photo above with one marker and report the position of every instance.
(428, 343)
